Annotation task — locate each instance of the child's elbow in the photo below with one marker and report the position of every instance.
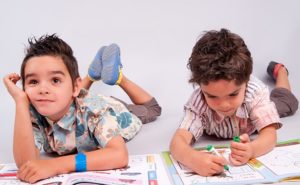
(172, 146)
(123, 158)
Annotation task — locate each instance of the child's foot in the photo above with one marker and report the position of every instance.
(273, 69)
(95, 68)
(111, 69)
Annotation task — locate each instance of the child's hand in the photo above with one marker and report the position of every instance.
(36, 170)
(17, 93)
(241, 152)
(207, 164)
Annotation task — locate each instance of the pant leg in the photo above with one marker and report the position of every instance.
(286, 103)
(146, 112)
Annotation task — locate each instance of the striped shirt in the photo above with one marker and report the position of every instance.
(256, 112)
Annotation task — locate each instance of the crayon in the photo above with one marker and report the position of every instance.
(8, 174)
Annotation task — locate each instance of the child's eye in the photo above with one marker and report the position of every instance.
(234, 94)
(211, 97)
(56, 80)
(32, 82)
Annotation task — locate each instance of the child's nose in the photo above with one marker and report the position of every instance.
(44, 89)
(224, 105)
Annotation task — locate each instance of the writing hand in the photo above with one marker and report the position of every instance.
(207, 164)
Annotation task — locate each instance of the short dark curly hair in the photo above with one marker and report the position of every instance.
(51, 45)
(220, 55)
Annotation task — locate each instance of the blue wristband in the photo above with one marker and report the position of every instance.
(80, 162)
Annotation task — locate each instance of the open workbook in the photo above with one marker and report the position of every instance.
(142, 169)
(281, 164)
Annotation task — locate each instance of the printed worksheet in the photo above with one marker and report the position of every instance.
(281, 164)
(145, 169)
(234, 174)
(283, 160)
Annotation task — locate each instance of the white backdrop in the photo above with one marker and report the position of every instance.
(156, 39)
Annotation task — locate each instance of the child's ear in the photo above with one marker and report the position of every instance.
(77, 86)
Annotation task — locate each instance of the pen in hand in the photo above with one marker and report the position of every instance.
(236, 139)
(212, 149)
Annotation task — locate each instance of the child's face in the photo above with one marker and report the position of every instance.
(49, 87)
(223, 96)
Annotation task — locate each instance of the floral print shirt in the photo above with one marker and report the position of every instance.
(90, 123)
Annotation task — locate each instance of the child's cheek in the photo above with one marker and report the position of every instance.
(211, 104)
(30, 92)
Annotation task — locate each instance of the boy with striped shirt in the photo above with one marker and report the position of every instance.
(230, 102)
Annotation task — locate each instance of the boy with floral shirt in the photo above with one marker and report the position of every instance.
(54, 112)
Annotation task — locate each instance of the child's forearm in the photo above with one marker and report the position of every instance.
(265, 141)
(183, 155)
(113, 156)
(107, 158)
(23, 143)
(180, 147)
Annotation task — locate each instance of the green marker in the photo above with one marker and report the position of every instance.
(212, 149)
(236, 139)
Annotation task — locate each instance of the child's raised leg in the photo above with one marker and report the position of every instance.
(282, 80)
(285, 101)
(144, 105)
(137, 94)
